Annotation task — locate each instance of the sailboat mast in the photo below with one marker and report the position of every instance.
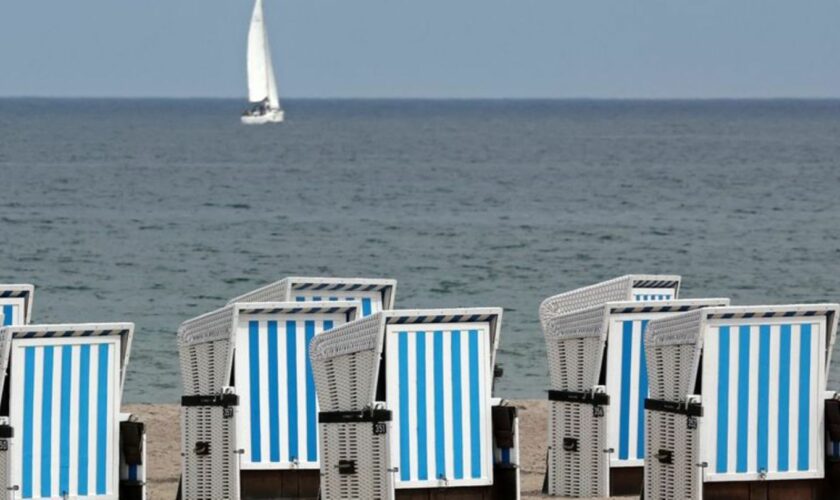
(271, 83)
(266, 55)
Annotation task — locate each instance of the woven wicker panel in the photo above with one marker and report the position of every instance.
(207, 327)
(672, 348)
(614, 290)
(4, 469)
(583, 323)
(832, 321)
(203, 367)
(189, 378)
(204, 346)
(581, 473)
(355, 442)
(574, 343)
(345, 362)
(682, 478)
(574, 364)
(215, 475)
(274, 292)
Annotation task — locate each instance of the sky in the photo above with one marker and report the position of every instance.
(429, 48)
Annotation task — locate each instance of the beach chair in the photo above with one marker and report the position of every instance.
(63, 435)
(407, 410)
(737, 403)
(597, 422)
(16, 304)
(374, 295)
(578, 327)
(249, 413)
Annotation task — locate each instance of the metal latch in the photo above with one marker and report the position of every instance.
(346, 467)
(202, 448)
(665, 457)
(691, 423)
(570, 444)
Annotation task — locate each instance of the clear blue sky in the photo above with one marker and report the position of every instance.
(426, 48)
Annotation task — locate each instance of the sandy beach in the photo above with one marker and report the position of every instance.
(164, 447)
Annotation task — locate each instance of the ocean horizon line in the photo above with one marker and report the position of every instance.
(420, 98)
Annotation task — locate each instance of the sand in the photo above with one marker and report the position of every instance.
(163, 448)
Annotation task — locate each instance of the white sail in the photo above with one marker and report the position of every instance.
(261, 84)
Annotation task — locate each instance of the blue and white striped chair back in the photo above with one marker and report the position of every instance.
(627, 376)
(12, 313)
(439, 386)
(763, 373)
(653, 294)
(374, 295)
(277, 423)
(767, 381)
(65, 391)
(370, 302)
(16, 304)
(628, 388)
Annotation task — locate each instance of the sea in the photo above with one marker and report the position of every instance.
(158, 210)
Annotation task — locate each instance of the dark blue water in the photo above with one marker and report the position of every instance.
(155, 211)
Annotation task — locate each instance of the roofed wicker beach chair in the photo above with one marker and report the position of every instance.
(594, 343)
(277, 441)
(374, 295)
(64, 435)
(249, 413)
(738, 400)
(407, 409)
(16, 304)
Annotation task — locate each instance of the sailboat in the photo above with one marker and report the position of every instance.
(262, 88)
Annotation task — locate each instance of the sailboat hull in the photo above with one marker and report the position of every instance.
(273, 116)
